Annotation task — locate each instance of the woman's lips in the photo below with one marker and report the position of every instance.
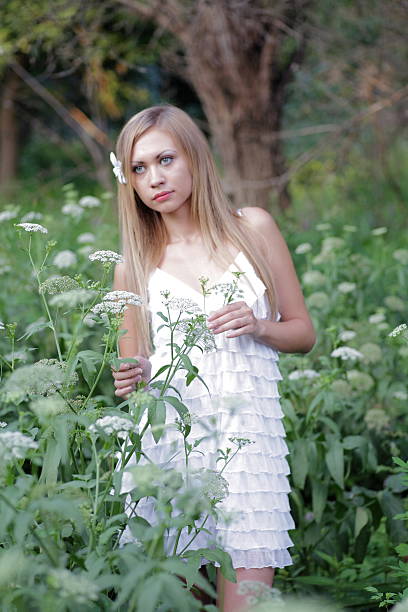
(161, 197)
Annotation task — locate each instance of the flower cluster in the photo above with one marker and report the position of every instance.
(58, 284)
(109, 425)
(182, 305)
(7, 215)
(85, 238)
(347, 335)
(14, 445)
(106, 257)
(214, 485)
(73, 298)
(346, 353)
(305, 247)
(346, 287)
(116, 302)
(65, 259)
(33, 227)
(257, 592)
(297, 374)
(397, 331)
(76, 587)
(89, 202)
(126, 297)
(197, 333)
(32, 216)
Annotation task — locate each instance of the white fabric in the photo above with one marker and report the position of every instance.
(242, 376)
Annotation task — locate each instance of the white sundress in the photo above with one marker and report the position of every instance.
(242, 375)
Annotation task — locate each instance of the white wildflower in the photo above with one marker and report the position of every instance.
(377, 419)
(401, 255)
(85, 250)
(379, 231)
(49, 406)
(116, 425)
(341, 387)
(183, 305)
(3, 424)
(372, 352)
(2, 325)
(347, 335)
(257, 592)
(72, 209)
(318, 299)
(33, 227)
(89, 202)
(127, 297)
(14, 445)
(377, 317)
(346, 353)
(397, 331)
(106, 257)
(214, 485)
(117, 169)
(302, 248)
(197, 333)
(32, 216)
(58, 284)
(75, 587)
(7, 215)
(65, 259)
(73, 298)
(395, 303)
(346, 287)
(349, 228)
(383, 325)
(322, 227)
(21, 355)
(86, 237)
(313, 277)
(332, 243)
(360, 380)
(109, 308)
(297, 374)
(89, 320)
(400, 395)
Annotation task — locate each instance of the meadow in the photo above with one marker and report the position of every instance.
(345, 405)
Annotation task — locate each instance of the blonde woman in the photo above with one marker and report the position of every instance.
(177, 226)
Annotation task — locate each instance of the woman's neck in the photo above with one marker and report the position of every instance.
(180, 226)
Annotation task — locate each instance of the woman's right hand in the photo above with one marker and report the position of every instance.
(129, 374)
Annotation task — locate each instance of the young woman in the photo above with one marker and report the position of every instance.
(177, 226)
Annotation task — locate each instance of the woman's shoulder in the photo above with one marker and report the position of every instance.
(260, 220)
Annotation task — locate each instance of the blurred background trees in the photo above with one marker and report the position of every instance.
(276, 85)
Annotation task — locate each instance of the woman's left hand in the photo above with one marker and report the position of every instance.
(236, 318)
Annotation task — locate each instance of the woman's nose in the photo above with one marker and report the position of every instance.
(156, 176)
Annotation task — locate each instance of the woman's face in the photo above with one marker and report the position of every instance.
(160, 172)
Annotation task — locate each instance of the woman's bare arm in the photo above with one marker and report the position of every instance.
(294, 333)
(128, 375)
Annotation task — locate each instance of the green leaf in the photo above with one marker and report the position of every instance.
(335, 461)
(52, 459)
(299, 462)
(181, 409)
(157, 418)
(319, 498)
(89, 360)
(34, 328)
(217, 555)
(162, 316)
(150, 593)
(402, 549)
(361, 519)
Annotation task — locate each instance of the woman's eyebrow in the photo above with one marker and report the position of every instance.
(157, 156)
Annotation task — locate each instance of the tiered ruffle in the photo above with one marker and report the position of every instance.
(243, 377)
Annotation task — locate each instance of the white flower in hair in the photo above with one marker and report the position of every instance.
(117, 169)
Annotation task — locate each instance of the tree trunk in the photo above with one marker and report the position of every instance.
(9, 136)
(239, 56)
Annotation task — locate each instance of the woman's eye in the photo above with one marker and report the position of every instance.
(165, 161)
(138, 169)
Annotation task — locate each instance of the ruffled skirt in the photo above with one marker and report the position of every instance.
(242, 376)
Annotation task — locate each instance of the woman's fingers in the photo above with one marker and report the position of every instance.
(122, 375)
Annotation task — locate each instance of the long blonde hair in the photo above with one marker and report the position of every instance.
(144, 236)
